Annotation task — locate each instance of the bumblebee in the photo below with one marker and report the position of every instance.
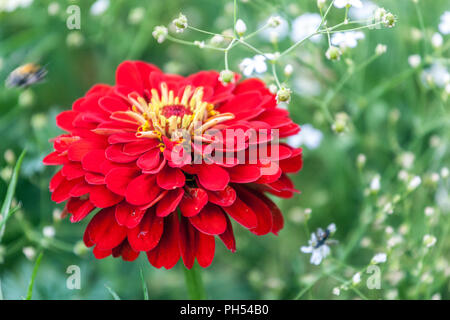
(26, 75)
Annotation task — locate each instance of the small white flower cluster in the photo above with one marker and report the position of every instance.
(318, 245)
(308, 136)
(160, 33)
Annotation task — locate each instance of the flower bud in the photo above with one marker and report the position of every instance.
(284, 95)
(217, 40)
(288, 69)
(321, 4)
(380, 49)
(333, 53)
(160, 33)
(240, 27)
(226, 77)
(180, 23)
(274, 21)
(389, 20)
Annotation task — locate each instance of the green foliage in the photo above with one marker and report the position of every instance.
(370, 104)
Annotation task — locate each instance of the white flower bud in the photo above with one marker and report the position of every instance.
(284, 95)
(356, 278)
(274, 21)
(180, 23)
(226, 77)
(321, 4)
(437, 40)
(444, 172)
(380, 49)
(379, 258)
(429, 211)
(240, 27)
(361, 160)
(288, 69)
(160, 33)
(414, 183)
(429, 240)
(414, 60)
(48, 231)
(29, 252)
(217, 39)
(333, 53)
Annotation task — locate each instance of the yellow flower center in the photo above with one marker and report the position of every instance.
(173, 116)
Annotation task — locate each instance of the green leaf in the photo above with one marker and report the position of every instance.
(144, 285)
(33, 276)
(5, 211)
(113, 293)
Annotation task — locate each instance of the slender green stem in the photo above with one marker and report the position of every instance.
(33, 276)
(5, 210)
(194, 283)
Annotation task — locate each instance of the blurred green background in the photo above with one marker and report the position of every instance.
(396, 112)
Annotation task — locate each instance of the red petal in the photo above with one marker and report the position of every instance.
(169, 203)
(101, 197)
(79, 149)
(292, 165)
(56, 180)
(188, 242)
(262, 211)
(101, 254)
(128, 216)
(112, 104)
(167, 253)
(240, 212)
(277, 216)
(55, 159)
(211, 220)
(115, 153)
(149, 160)
(93, 159)
(142, 190)
(228, 236)
(224, 198)
(118, 179)
(104, 231)
(64, 119)
(125, 250)
(62, 192)
(170, 178)
(79, 209)
(147, 234)
(139, 147)
(244, 173)
(205, 249)
(194, 199)
(213, 177)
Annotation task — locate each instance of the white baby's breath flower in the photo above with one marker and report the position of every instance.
(274, 34)
(318, 244)
(375, 184)
(274, 21)
(356, 278)
(346, 39)
(53, 8)
(445, 172)
(288, 69)
(429, 240)
(333, 53)
(406, 159)
(388, 208)
(437, 40)
(437, 74)
(136, 15)
(305, 25)
(180, 23)
(29, 252)
(381, 49)
(394, 240)
(99, 7)
(256, 64)
(363, 13)
(429, 211)
(414, 60)
(403, 175)
(444, 26)
(379, 258)
(414, 183)
(217, 39)
(336, 291)
(308, 136)
(48, 231)
(160, 33)
(348, 3)
(240, 27)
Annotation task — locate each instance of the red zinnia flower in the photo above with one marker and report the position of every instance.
(118, 155)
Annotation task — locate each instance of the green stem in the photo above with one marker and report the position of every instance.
(194, 283)
(33, 276)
